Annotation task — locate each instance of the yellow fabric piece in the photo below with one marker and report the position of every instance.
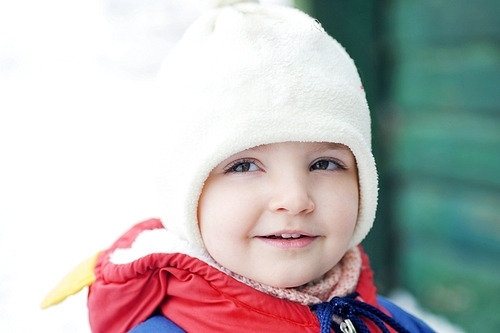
(81, 276)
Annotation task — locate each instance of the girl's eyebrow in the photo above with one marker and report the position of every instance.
(323, 147)
(332, 146)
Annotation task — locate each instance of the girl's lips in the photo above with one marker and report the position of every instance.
(288, 240)
(289, 234)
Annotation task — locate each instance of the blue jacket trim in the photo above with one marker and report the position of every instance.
(411, 323)
(157, 324)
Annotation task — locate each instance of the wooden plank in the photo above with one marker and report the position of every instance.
(466, 77)
(438, 21)
(452, 213)
(459, 147)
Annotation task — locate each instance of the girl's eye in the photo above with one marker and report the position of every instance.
(325, 165)
(242, 166)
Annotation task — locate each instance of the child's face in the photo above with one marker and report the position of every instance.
(281, 214)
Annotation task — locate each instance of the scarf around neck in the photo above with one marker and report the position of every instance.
(339, 281)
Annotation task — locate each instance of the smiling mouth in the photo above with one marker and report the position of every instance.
(289, 241)
(285, 236)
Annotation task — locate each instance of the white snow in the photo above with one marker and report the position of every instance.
(77, 141)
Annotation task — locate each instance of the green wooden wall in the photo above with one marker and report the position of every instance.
(431, 69)
(445, 154)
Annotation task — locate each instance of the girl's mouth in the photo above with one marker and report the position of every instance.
(285, 236)
(288, 241)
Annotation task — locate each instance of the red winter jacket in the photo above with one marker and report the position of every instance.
(194, 295)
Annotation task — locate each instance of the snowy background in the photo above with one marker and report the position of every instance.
(78, 122)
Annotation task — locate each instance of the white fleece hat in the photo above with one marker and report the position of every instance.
(246, 74)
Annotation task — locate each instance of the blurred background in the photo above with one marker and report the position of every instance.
(78, 126)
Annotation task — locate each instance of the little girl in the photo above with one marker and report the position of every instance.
(268, 184)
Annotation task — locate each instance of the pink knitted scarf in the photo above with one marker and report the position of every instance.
(339, 281)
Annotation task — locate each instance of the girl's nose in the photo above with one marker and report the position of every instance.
(291, 196)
